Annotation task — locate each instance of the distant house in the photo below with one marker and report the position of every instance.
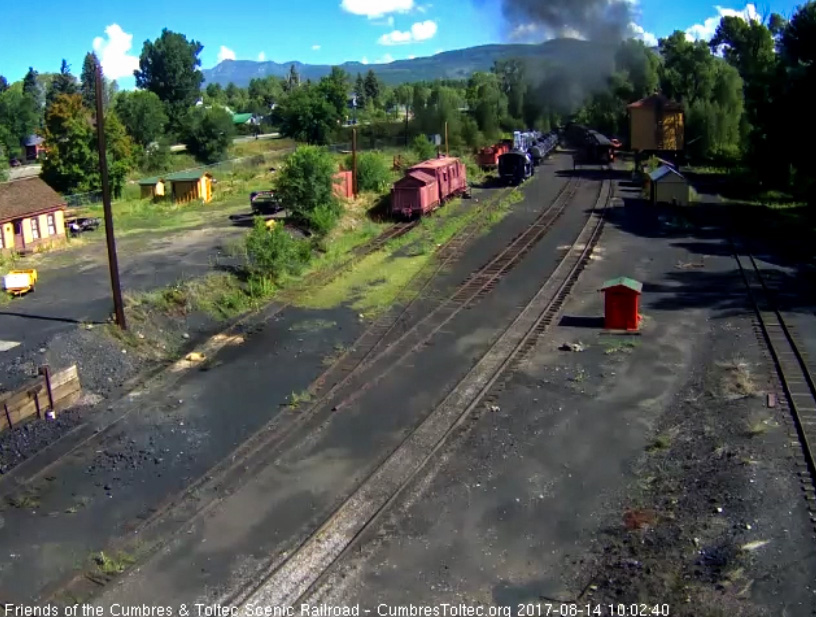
(666, 185)
(243, 119)
(152, 188)
(34, 147)
(190, 185)
(32, 215)
(656, 124)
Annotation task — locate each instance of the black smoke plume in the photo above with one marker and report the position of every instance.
(599, 20)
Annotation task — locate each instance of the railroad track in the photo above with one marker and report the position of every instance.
(205, 493)
(291, 578)
(795, 376)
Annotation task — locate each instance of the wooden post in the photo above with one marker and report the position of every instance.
(46, 372)
(37, 403)
(447, 153)
(8, 415)
(354, 162)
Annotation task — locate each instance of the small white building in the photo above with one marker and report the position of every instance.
(668, 186)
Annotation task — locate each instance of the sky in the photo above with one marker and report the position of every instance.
(313, 32)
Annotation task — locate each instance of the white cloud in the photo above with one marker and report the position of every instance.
(524, 32)
(438, 51)
(374, 9)
(261, 57)
(364, 60)
(386, 59)
(706, 30)
(315, 47)
(411, 57)
(421, 31)
(113, 53)
(639, 32)
(225, 53)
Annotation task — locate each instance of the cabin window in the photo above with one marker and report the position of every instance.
(52, 225)
(35, 228)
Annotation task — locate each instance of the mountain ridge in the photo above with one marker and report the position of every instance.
(453, 64)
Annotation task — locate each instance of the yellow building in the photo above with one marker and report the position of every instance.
(32, 215)
(656, 125)
(190, 186)
(152, 188)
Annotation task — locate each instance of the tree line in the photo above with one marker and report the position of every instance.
(743, 91)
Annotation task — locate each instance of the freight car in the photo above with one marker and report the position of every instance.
(427, 185)
(488, 158)
(515, 167)
(543, 148)
(595, 150)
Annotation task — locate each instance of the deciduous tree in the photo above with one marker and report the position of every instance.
(142, 114)
(69, 137)
(207, 133)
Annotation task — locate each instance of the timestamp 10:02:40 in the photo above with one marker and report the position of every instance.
(592, 610)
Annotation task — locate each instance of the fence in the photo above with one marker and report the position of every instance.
(47, 395)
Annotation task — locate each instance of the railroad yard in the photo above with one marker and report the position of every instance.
(482, 441)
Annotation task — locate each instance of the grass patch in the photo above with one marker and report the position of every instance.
(613, 346)
(737, 380)
(112, 564)
(660, 443)
(314, 325)
(296, 399)
(334, 356)
(28, 500)
(759, 427)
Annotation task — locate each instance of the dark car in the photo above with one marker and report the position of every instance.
(265, 202)
(15, 162)
(79, 225)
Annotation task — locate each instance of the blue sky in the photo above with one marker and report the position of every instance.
(315, 32)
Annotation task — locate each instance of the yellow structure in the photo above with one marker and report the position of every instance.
(656, 124)
(152, 188)
(32, 215)
(190, 186)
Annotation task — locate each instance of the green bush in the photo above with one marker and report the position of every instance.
(373, 171)
(306, 184)
(323, 218)
(274, 253)
(208, 133)
(423, 148)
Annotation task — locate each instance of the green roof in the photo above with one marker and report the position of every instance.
(241, 118)
(623, 281)
(185, 176)
(150, 181)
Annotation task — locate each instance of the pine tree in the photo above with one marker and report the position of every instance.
(371, 85)
(31, 86)
(63, 83)
(3, 84)
(88, 78)
(359, 89)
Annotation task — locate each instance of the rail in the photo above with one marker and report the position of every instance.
(293, 577)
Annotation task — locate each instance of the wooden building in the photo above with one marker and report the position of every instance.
(666, 185)
(343, 184)
(32, 215)
(189, 186)
(152, 188)
(656, 124)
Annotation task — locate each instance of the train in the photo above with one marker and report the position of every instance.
(590, 147)
(529, 149)
(427, 185)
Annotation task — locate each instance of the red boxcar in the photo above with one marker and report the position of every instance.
(426, 185)
(489, 157)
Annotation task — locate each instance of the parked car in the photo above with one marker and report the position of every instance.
(265, 202)
(79, 225)
(15, 163)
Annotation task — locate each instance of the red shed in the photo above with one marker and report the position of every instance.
(622, 304)
(343, 185)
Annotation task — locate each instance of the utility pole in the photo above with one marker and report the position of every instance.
(447, 153)
(354, 161)
(113, 262)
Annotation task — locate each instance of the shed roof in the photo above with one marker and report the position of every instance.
(661, 172)
(22, 198)
(623, 281)
(33, 140)
(150, 181)
(241, 118)
(187, 176)
(656, 100)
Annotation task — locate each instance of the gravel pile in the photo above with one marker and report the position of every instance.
(19, 444)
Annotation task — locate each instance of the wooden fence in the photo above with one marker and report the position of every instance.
(52, 392)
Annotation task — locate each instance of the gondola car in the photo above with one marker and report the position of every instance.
(515, 167)
(427, 185)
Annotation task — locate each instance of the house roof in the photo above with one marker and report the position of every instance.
(241, 118)
(187, 176)
(150, 181)
(661, 172)
(656, 100)
(22, 198)
(623, 281)
(33, 140)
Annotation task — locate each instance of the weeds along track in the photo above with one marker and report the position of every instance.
(791, 366)
(289, 579)
(226, 477)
